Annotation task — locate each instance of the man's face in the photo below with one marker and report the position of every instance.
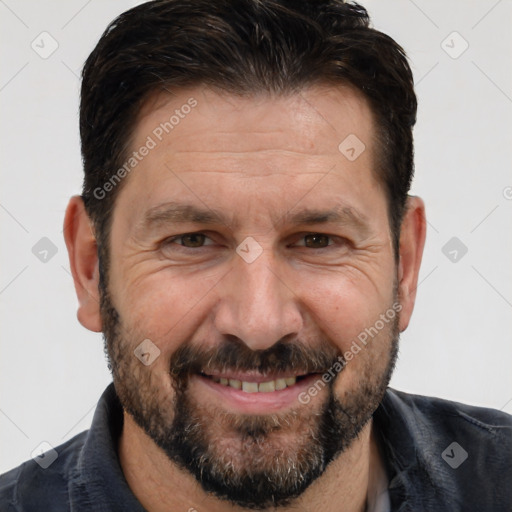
(249, 248)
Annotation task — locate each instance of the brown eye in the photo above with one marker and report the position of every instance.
(192, 240)
(316, 241)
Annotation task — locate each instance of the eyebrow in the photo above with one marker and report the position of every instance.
(179, 213)
(341, 215)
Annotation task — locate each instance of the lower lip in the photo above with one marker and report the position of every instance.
(255, 403)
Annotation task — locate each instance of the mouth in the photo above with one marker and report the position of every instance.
(252, 392)
(255, 383)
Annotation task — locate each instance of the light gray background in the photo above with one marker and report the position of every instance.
(52, 371)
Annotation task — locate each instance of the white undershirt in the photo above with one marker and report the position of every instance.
(378, 494)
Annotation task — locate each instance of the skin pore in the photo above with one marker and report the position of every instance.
(319, 268)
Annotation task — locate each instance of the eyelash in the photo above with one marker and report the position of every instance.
(331, 238)
(171, 240)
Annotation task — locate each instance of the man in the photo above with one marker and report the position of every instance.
(246, 243)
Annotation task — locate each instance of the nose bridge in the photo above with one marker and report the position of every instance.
(256, 306)
(262, 294)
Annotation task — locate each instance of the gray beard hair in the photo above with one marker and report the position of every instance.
(261, 474)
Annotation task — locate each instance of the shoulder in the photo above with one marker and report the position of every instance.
(448, 454)
(29, 485)
(445, 413)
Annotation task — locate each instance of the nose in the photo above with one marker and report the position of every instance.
(256, 304)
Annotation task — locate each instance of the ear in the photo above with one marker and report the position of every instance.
(83, 260)
(412, 241)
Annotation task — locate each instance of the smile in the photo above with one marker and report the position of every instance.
(250, 386)
(252, 392)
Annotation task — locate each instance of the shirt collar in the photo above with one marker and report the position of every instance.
(411, 447)
(98, 482)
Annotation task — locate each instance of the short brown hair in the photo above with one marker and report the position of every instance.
(244, 47)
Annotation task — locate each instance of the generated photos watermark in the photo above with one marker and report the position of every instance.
(363, 338)
(152, 141)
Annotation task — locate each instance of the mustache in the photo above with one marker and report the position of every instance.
(233, 354)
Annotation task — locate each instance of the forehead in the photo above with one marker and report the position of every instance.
(245, 154)
(307, 121)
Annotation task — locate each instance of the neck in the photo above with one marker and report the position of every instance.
(160, 485)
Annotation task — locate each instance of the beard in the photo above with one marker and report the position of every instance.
(253, 461)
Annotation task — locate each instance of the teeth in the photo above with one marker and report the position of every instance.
(254, 387)
(265, 387)
(280, 384)
(237, 384)
(249, 387)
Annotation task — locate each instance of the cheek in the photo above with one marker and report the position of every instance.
(358, 318)
(164, 306)
(343, 307)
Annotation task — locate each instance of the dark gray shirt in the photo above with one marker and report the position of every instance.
(439, 456)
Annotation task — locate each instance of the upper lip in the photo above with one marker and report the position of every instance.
(251, 376)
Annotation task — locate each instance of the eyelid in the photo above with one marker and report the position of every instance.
(172, 239)
(332, 239)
